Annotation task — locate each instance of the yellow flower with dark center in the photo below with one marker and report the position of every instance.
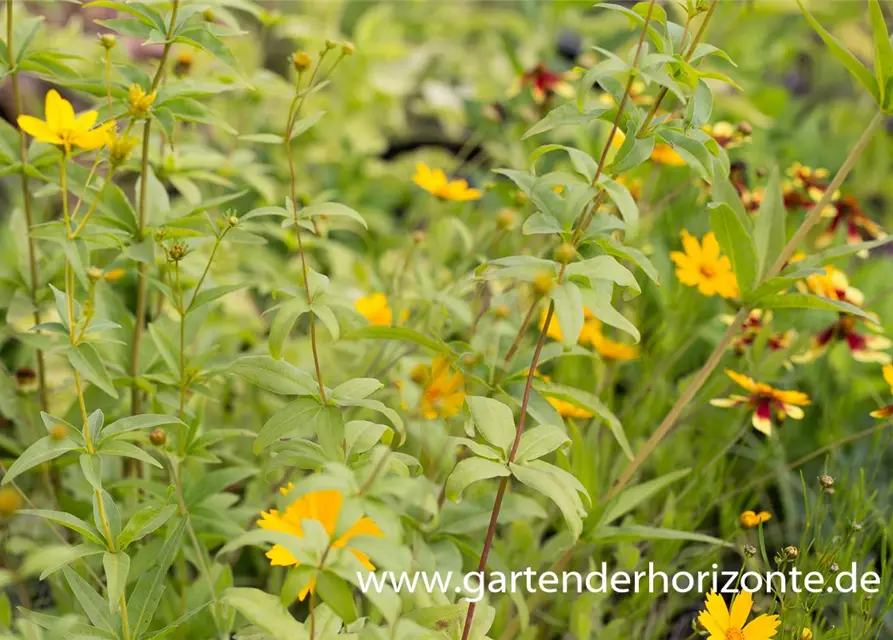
(434, 181)
(768, 404)
(701, 266)
(442, 396)
(324, 507)
(61, 127)
(375, 309)
(887, 411)
(591, 333)
(568, 410)
(724, 624)
(751, 519)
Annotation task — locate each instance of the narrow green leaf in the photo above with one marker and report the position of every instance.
(770, 227)
(632, 497)
(737, 243)
(43, 450)
(264, 611)
(86, 360)
(469, 471)
(493, 420)
(117, 567)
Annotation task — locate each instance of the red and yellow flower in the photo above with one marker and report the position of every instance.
(757, 320)
(886, 412)
(544, 83)
(769, 405)
(859, 227)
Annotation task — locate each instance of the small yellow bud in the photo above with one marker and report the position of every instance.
(140, 101)
(543, 283)
(158, 436)
(59, 432)
(502, 311)
(177, 251)
(108, 41)
(348, 48)
(521, 198)
(791, 552)
(565, 253)
(330, 44)
(10, 501)
(506, 219)
(301, 61)
(419, 374)
(806, 634)
(120, 149)
(232, 220)
(418, 237)
(94, 273)
(208, 15)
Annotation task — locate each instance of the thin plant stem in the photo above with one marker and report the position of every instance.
(713, 360)
(26, 200)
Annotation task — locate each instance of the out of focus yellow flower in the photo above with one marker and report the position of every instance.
(442, 396)
(751, 519)
(567, 410)
(375, 309)
(887, 411)
(324, 507)
(140, 101)
(435, 182)
(61, 127)
(701, 266)
(591, 333)
(768, 404)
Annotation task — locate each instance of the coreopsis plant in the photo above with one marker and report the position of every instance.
(298, 295)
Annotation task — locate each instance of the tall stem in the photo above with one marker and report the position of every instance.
(713, 360)
(26, 199)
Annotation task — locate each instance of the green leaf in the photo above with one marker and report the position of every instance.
(622, 198)
(144, 522)
(264, 611)
(91, 602)
(736, 242)
(86, 360)
(214, 482)
(117, 567)
(568, 311)
(69, 555)
(808, 301)
(883, 50)
(469, 471)
(91, 467)
(336, 593)
(632, 497)
(856, 68)
(566, 114)
(146, 594)
(604, 268)
(401, 334)
(637, 533)
(68, 521)
(126, 450)
(286, 316)
(212, 294)
(356, 389)
(614, 247)
(559, 486)
(274, 375)
(583, 163)
(331, 210)
(692, 151)
(43, 450)
(494, 420)
(294, 417)
(135, 423)
(770, 230)
(537, 442)
(633, 152)
(329, 430)
(304, 124)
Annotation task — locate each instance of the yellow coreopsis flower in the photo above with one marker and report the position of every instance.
(375, 309)
(324, 507)
(434, 181)
(701, 266)
(139, 101)
(887, 411)
(751, 519)
(724, 624)
(442, 396)
(61, 127)
(768, 403)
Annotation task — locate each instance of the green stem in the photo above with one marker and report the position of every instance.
(26, 200)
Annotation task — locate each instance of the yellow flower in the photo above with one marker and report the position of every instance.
(662, 153)
(63, 128)
(139, 100)
(324, 507)
(375, 309)
(723, 624)
(767, 402)
(434, 181)
(567, 410)
(751, 519)
(701, 266)
(887, 411)
(591, 333)
(806, 634)
(443, 395)
(835, 285)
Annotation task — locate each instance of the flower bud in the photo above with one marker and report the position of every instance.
(791, 552)
(177, 251)
(158, 436)
(806, 634)
(418, 237)
(208, 15)
(348, 48)
(10, 501)
(329, 44)
(750, 551)
(826, 481)
(419, 374)
(502, 311)
(26, 379)
(565, 253)
(301, 61)
(58, 432)
(108, 41)
(139, 101)
(506, 219)
(94, 273)
(543, 283)
(120, 149)
(232, 221)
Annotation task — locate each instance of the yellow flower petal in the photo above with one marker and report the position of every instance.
(38, 129)
(741, 606)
